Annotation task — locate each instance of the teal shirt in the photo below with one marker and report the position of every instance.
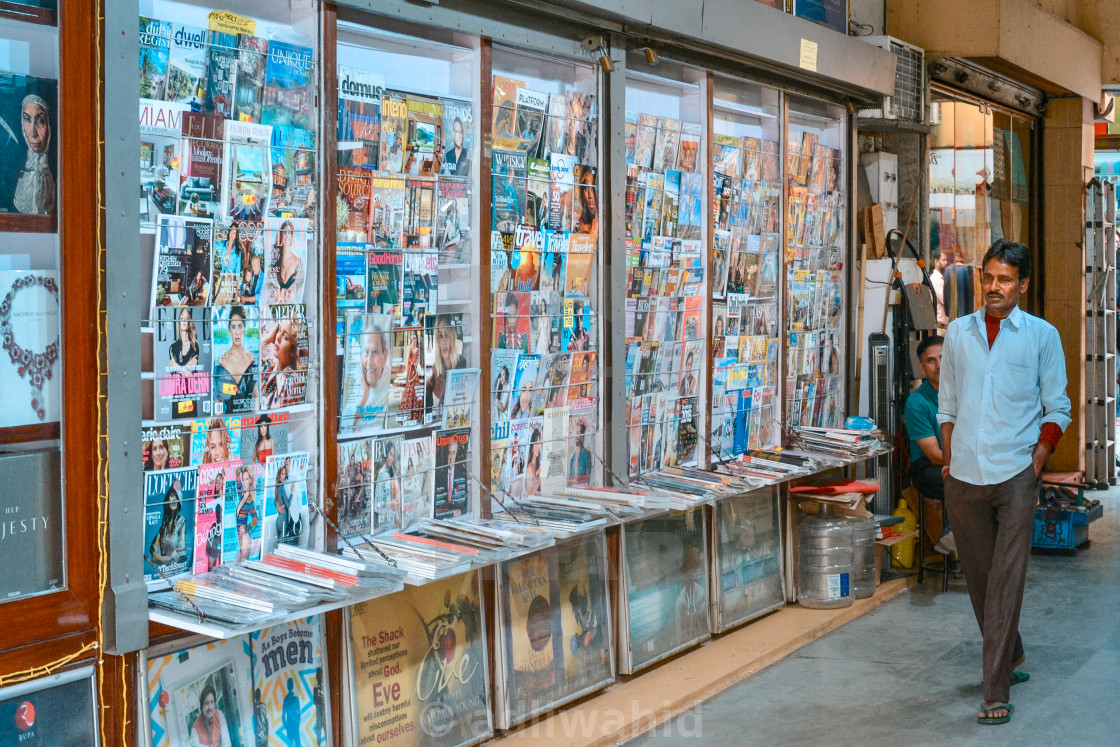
(921, 418)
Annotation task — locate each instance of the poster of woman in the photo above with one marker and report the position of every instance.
(28, 145)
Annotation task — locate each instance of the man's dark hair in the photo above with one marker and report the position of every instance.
(1012, 253)
(928, 343)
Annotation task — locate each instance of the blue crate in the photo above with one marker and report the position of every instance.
(1062, 529)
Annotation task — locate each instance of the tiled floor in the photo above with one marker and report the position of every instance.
(908, 673)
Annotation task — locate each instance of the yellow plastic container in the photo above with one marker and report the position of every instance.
(903, 553)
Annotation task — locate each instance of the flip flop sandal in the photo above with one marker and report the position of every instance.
(1017, 677)
(989, 720)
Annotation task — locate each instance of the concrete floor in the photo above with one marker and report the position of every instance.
(909, 672)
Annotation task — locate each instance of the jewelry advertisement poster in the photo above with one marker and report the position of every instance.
(30, 372)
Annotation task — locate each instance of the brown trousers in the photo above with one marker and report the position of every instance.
(992, 525)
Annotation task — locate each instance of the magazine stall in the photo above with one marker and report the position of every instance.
(313, 163)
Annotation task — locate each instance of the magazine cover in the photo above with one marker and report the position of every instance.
(578, 280)
(430, 650)
(359, 117)
(236, 349)
(554, 462)
(458, 137)
(228, 255)
(689, 147)
(575, 325)
(451, 496)
(443, 337)
(293, 173)
(216, 483)
(667, 585)
(288, 95)
(524, 386)
(289, 685)
(579, 443)
(510, 171)
(453, 221)
(545, 309)
(182, 264)
(420, 213)
(286, 516)
(585, 210)
(186, 70)
(383, 283)
(525, 260)
(286, 242)
(350, 276)
(221, 74)
(165, 446)
(425, 137)
(579, 141)
(511, 321)
(530, 605)
(181, 362)
(155, 51)
(247, 183)
(385, 470)
(420, 288)
(355, 191)
(200, 166)
(529, 122)
(169, 509)
(263, 435)
(366, 367)
(161, 123)
(460, 397)
(538, 193)
(242, 529)
(406, 395)
(555, 126)
(501, 246)
(581, 389)
(505, 108)
(665, 149)
(355, 486)
(215, 440)
(417, 479)
(252, 62)
(388, 212)
(202, 694)
(562, 179)
(284, 351)
(394, 129)
(554, 276)
(502, 374)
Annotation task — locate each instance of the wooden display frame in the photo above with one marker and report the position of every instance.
(57, 624)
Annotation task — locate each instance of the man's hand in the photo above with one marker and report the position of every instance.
(1042, 452)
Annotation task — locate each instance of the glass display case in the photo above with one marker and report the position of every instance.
(746, 257)
(406, 228)
(666, 235)
(746, 558)
(32, 303)
(545, 285)
(817, 252)
(230, 245)
(555, 640)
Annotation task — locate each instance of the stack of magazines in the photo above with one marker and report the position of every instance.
(416, 560)
(562, 516)
(686, 487)
(845, 443)
(766, 466)
(289, 580)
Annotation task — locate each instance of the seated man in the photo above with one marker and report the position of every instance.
(925, 434)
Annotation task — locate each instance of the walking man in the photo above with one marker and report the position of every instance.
(1002, 409)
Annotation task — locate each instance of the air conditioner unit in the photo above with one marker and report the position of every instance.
(908, 102)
